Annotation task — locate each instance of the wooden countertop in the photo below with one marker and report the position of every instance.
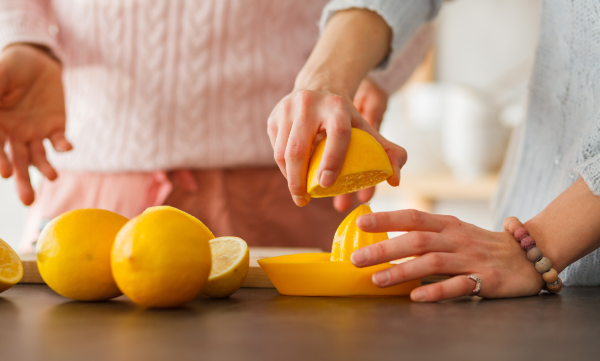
(260, 324)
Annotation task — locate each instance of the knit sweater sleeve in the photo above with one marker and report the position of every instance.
(404, 17)
(588, 159)
(26, 21)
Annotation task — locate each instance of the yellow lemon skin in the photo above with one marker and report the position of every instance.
(11, 267)
(230, 265)
(365, 165)
(73, 254)
(161, 258)
(349, 237)
(206, 232)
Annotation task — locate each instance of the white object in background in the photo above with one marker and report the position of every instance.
(423, 105)
(473, 140)
(422, 142)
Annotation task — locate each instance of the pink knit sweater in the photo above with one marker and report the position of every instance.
(168, 84)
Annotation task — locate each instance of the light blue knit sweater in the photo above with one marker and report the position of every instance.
(560, 141)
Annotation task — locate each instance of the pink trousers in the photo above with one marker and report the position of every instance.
(253, 204)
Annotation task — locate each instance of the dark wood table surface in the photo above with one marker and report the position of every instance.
(260, 324)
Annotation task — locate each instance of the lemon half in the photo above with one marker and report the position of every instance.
(230, 264)
(365, 165)
(11, 267)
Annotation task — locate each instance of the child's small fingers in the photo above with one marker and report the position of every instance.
(59, 142)
(5, 165)
(38, 159)
(20, 161)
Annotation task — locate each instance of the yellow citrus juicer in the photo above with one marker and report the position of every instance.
(332, 274)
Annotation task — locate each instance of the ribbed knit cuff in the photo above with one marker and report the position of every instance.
(590, 172)
(25, 21)
(403, 16)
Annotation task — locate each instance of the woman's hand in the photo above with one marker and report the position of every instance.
(31, 109)
(293, 128)
(447, 246)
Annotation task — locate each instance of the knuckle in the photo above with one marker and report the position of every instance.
(293, 153)
(340, 128)
(435, 262)
(399, 273)
(380, 249)
(414, 217)
(338, 102)
(418, 242)
(304, 98)
(452, 221)
(279, 155)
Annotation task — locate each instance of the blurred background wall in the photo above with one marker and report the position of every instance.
(480, 66)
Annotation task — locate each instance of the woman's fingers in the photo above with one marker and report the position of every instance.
(365, 195)
(406, 245)
(38, 159)
(299, 146)
(405, 220)
(342, 202)
(426, 265)
(281, 141)
(339, 129)
(454, 287)
(20, 161)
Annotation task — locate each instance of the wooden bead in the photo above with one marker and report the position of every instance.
(521, 233)
(534, 254)
(511, 224)
(550, 276)
(555, 287)
(544, 265)
(527, 243)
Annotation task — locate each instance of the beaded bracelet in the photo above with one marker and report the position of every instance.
(542, 264)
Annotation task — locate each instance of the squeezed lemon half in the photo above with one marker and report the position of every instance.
(230, 264)
(11, 267)
(348, 237)
(365, 165)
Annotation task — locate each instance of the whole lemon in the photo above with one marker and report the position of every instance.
(73, 254)
(162, 258)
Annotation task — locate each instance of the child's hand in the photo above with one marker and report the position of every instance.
(371, 102)
(447, 246)
(31, 109)
(293, 128)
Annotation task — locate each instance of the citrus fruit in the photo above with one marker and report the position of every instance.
(230, 264)
(365, 165)
(11, 268)
(349, 237)
(73, 254)
(207, 233)
(161, 258)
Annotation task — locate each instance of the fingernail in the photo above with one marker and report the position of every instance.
(366, 221)
(327, 179)
(418, 296)
(381, 278)
(301, 201)
(360, 256)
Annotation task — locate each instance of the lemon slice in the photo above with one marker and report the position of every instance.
(11, 267)
(365, 165)
(230, 264)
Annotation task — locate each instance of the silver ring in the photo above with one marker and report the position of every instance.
(477, 288)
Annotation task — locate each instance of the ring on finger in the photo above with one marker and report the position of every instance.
(477, 288)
